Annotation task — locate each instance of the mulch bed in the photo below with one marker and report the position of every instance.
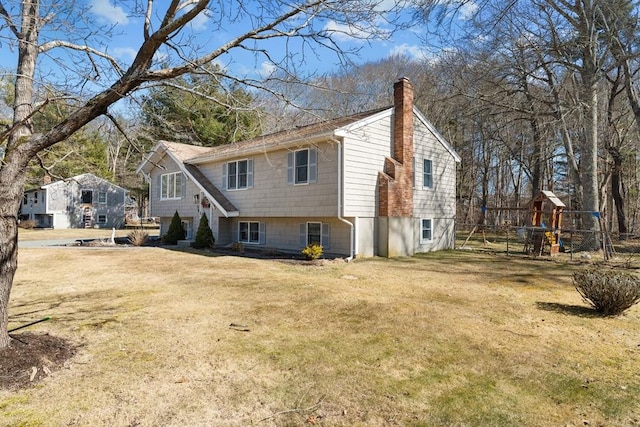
(32, 357)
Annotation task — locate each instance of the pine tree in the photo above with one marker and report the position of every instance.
(176, 231)
(204, 235)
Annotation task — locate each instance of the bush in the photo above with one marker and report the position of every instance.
(204, 235)
(176, 231)
(610, 292)
(138, 237)
(27, 224)
(312, 251)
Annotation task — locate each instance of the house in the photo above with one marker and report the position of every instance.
(84, 201)
(379, 183)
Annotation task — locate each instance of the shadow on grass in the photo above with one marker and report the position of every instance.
(575, 310)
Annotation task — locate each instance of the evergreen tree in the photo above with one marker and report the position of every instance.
(204, 235)
(176, 231)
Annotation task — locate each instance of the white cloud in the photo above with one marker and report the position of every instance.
(199, 23)
(266, 69)
(125, 53)
(464, 8)
(108, 12)
(345, 33)
(417, 52)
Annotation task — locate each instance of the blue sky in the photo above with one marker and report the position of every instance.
(57, 66)
(124, 48)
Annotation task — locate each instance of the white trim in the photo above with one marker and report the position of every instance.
(424, 241)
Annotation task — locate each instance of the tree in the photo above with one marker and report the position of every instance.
(204, 235)
(197, 109)
(175, 232)
(167, 36)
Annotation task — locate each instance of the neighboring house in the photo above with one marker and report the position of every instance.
(379, 183)
(84, 201)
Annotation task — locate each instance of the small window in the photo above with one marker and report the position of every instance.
(102, 219)
(35, 197)
(102, 198)
(426, 232)
(171, 186)
(302, 166)
(25, 199)
(314, 233)
(239, 174)
(249, 232)
(427, 172)
(86, 196)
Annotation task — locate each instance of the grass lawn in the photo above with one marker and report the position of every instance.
(445, 339)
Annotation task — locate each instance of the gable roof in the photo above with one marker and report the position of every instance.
(314, 132)
(76, 178)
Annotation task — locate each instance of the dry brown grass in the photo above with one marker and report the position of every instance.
(74, 233)
(451, 338)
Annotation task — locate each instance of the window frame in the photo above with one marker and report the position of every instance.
(427, 177)
(423, 229)
(83, 198)
(98, 219)
(249, 240)
(102, 197)
(237, 175)
(171, 181)
(319, 234)
(294, 166)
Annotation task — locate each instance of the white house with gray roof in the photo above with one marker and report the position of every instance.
(378, 183)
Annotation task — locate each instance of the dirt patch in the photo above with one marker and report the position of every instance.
(32, 357)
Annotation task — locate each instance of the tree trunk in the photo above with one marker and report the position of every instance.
(616, 194)
(589, 163)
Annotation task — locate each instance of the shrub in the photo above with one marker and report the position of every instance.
(237, 247)
(204, 235)
(610, 292)
(312, 251)
(176, 231)
(138, 237)
(27, 224)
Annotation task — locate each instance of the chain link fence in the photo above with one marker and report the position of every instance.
(566, 244)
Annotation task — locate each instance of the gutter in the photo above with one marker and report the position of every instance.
(340, 206)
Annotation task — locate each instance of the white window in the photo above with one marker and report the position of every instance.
(426, 230)
(171, 186)
(302, 166)
(249, 232)
(427, 173)
(314, 232)
(102, 219)
(238, 175)
(102, 198)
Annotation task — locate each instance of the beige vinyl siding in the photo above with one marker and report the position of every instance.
(284, 233)
(440, 200)
(272, 196)
(364, 154)
(166, 208)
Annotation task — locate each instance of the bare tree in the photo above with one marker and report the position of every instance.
(169, 49)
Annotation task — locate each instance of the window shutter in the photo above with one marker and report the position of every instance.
(313, 165)
(413, 177)
(224, 176)
(303, 235)
(262, 233)
(290, 167)
(234, 233)
(159, 187)
(326, 244)
(250, 173)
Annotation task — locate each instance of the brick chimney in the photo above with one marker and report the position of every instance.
(395, 183)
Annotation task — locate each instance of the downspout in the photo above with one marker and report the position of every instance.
(340, 206)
